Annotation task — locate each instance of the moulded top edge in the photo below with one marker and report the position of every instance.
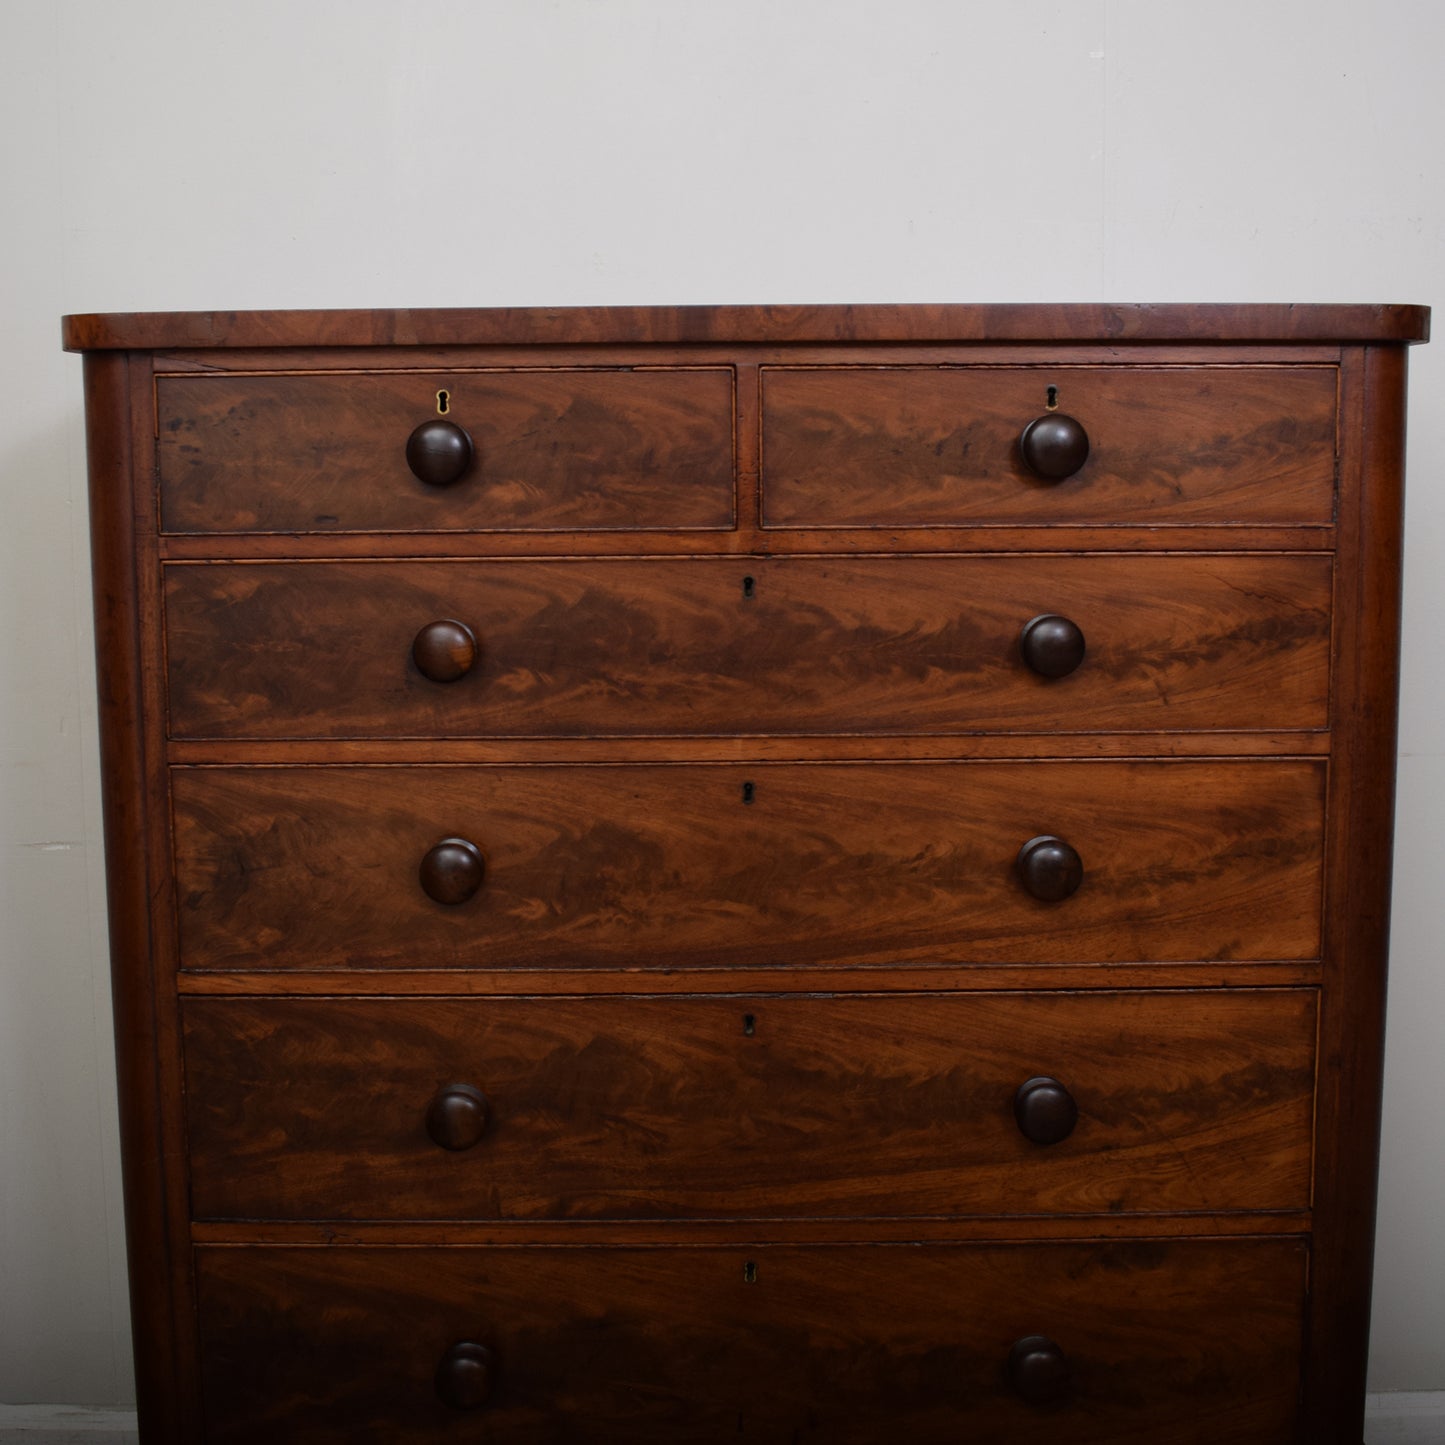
(685, 325)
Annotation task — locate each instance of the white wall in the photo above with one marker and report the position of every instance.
(189, 154)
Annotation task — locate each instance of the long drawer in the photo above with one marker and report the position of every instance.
(664, 865)
(1193, 1343)
(540, 450)
(750, 1106)
(726, 646)
(870, 446)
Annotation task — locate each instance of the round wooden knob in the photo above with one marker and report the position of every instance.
(452, 871)
(444, 651)
(457, 1116)
(1045, 1111)
(1049, 868)
(439, 453)
(1052, 646)
(1054, 446)
(1038, 1369)
(464, 1376)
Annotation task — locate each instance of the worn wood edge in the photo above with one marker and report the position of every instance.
(879, 979)
(291, 547)
(471, 359)
(1350, 1056)
(746, 750)
(692, 1234)
(678, 325)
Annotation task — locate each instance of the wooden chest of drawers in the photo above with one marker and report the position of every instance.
(749, 874)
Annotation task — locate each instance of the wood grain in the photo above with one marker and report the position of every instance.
(1196, 1343)
(750, 1106)
(1357, 920)
(554, 449)
(938, 446)
(276, 769)
(661, 867)
(1119, 322)
(716, 646)
(136, 872)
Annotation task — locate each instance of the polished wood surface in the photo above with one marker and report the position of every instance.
(940, 446)
(661, 867)
(1191, 1342)
(727, 646)
(752, 1106)
(1116, 322)
(553, 450)
(664, 875)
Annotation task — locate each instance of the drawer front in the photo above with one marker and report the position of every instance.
(550, 450)
(1194, 1343)
(660, 866)
(747, 646)
(940, 446)
(749, 1106)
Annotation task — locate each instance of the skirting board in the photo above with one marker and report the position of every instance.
(1413, 1418)
(66, 1425)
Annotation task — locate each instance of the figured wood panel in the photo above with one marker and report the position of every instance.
(749, 1106)
(1194, 1343)
(296, 868)
(554, 450)
(718, 646)
(938, 446)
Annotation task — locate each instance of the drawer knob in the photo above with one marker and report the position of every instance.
(1054, 446)
(464, 1377)
(1049, 868)
(457, 1117)
(439, 453)
(1045, 1111)
(444, 651)
(1052, 645)
(452, 871)
(1038, 1369)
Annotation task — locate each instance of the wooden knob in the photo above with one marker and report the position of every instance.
(452, 871)
(464, 1377)
(1049, 868)
(457, 1116)
(444, 651)
(439, 453)
(1054, 446)
(1052, 645)
(1045, 1111)
(1038, 1369)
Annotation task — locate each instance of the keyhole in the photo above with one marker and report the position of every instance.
(750, 1025)
(1052, 404)
(750, 1272)
(444, 402)
(747, 586)
(747, 792)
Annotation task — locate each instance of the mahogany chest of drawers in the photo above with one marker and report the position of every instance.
(770, 874)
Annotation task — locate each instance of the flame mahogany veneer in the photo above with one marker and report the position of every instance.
(749, 873)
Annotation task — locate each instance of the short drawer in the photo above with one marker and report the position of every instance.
(535, 450)
(940, 446)
(759, 865)
(749, 1106)
(723, 646)
(1191, 1342)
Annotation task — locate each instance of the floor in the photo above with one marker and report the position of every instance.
(1400, 1419)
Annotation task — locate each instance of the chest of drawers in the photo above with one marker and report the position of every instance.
(749, 873)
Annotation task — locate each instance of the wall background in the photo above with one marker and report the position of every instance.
(198, 154)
